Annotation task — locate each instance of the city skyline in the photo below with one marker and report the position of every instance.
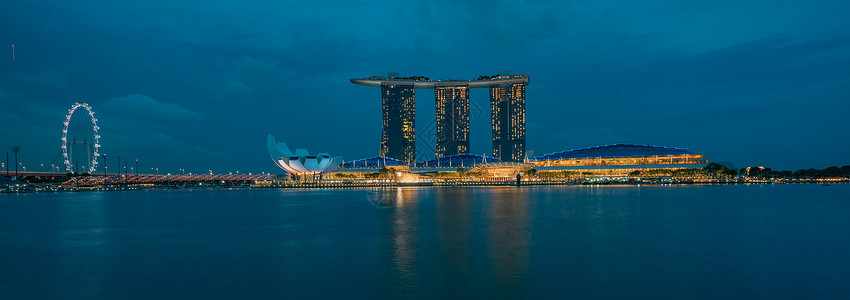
(178, 87)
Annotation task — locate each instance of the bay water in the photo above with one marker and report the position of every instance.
(586, 242)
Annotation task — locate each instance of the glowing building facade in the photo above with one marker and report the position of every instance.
(452, 115)
(507, 113)
(398, 134)
(618, 159)
(507, 104)
(301, 162)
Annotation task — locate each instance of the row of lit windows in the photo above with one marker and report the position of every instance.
(399, 114)
(399, 104)
(649, 160)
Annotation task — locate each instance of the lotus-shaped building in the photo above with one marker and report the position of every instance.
(301, 161)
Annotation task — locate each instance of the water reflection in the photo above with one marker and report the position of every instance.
(83, 239)
(404, 228)
(454, 234)
(509, 239)
(459, 236)
(385, 198)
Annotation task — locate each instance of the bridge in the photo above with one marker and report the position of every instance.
(229, 179)
(94, 180)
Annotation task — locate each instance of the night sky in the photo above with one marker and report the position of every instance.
(199, 84)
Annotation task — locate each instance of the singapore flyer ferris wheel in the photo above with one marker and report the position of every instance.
(91, 147)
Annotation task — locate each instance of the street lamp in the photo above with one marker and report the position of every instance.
(16, 150)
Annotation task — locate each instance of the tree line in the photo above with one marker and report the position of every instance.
(830, 172)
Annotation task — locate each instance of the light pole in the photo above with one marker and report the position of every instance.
(104, 164)
(137, 167)
(16, 150)
(118, 158)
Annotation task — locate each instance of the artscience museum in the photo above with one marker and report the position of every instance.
(301, 162)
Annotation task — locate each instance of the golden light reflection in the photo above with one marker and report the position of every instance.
(509, 238)
(404, 228)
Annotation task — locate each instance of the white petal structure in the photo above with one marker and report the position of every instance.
(301, 161)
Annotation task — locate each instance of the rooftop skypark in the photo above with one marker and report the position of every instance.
(422, 82)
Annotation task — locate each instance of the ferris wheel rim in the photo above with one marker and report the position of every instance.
(95, 128)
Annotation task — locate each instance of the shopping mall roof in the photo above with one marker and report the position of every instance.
(458, 160)
(372, 162)
(615, 150)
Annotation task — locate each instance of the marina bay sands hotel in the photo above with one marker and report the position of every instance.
(398, 97)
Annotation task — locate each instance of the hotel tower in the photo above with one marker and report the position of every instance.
(398, 99)
(452, 120)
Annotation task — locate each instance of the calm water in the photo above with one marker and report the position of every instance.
(710, 242)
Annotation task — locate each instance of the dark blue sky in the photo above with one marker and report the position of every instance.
(199, 84)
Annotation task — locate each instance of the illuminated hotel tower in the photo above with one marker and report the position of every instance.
(507, 112)
(398, 134)
(452, 119)
(507, 109)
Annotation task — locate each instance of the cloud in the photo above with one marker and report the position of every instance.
(161, 134)
(602, 71)
(147, 109)
(44, 79)
(236, 90)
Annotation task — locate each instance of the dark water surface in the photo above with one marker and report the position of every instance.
(705, 242)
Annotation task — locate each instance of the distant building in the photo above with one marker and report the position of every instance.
(452, 103)
(618, 159)
(507, 112)
(398, 134)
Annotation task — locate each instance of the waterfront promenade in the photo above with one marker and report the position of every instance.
(266, 181)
